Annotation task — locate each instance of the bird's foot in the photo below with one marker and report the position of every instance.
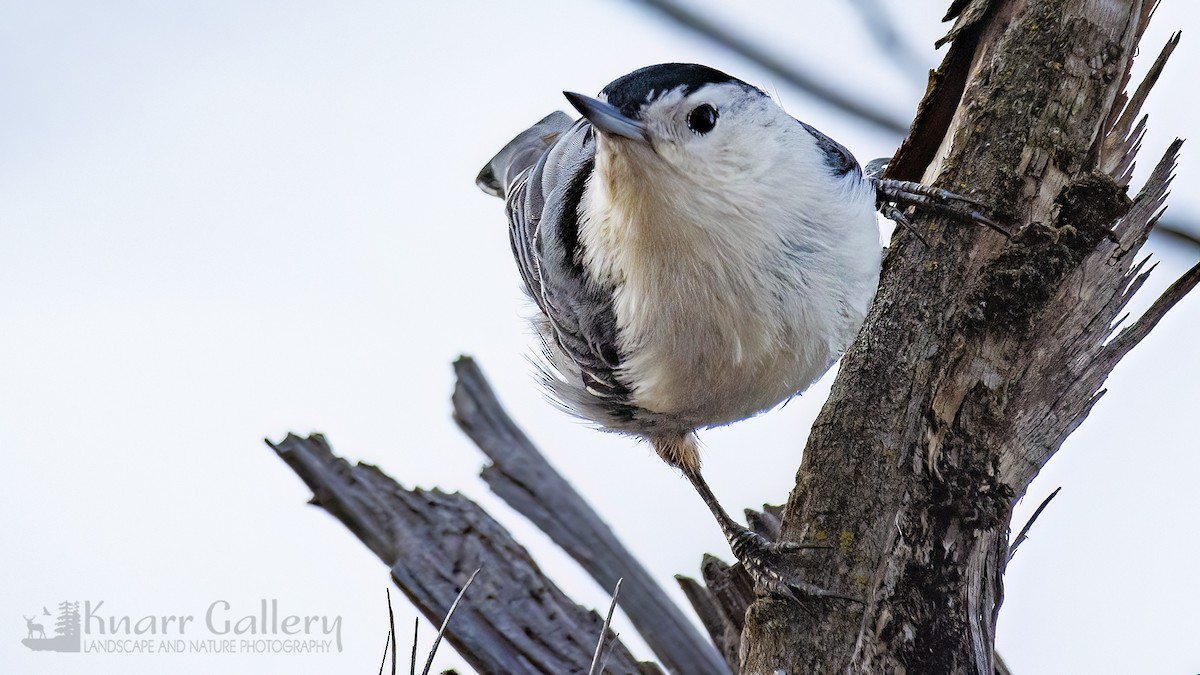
(893, 195)
(765, 562)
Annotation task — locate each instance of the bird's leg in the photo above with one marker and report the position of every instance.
(889, 192)
(763, 559)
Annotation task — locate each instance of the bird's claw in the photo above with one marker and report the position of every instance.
(892, 194)
(896, 215)
(764, 561)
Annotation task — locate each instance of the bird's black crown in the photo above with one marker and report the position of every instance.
(629, 93)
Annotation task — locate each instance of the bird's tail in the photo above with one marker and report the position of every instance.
(521, 153)
(876, 167)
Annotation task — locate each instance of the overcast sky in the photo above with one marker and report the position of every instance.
(223, 221)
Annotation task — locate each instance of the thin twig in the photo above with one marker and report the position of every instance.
(383, 661)
(882, 29)
(391, 636)
(1012, 550)
(1177, 233)
(595, 669)
(412, 668)
(784, 69)
(387, 644)
(787, 71)
(391, 628)
(438, 638)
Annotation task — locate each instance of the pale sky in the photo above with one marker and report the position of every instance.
(224, 221)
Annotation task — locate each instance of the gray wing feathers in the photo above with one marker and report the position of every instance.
(543, 184)
(521, 153)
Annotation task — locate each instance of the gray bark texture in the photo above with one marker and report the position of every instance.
(980, 354)
(512, 619)
(522, 477)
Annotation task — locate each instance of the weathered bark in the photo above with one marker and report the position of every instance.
(522, 477)
(511, 620)
(980, 354)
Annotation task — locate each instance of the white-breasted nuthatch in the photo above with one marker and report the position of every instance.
(697, 255)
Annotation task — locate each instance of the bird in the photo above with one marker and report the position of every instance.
(696, 256)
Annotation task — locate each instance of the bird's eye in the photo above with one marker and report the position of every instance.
(702, 119)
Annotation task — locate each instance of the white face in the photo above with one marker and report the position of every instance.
(717, 136)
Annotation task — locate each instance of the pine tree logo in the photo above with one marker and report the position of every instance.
(66, 630)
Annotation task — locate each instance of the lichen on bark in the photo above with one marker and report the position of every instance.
(980, 354)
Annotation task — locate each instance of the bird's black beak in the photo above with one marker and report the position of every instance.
(606, 118)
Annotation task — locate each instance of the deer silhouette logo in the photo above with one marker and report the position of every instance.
(34, 627)
(65, 630)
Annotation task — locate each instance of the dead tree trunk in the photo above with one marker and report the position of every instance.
(980, 354)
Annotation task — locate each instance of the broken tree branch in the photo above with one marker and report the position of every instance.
(522, 477)
(520, 623)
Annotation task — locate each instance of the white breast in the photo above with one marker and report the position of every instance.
(725, 310)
